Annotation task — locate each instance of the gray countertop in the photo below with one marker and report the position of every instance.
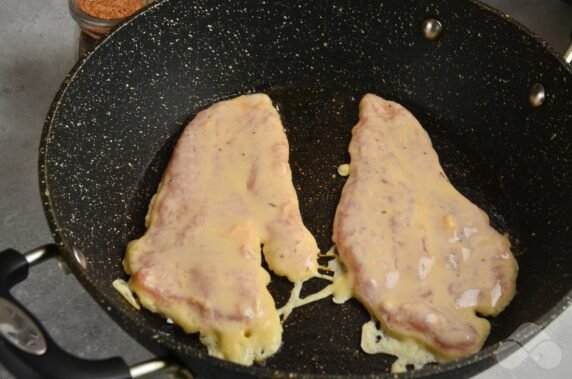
(38, 46)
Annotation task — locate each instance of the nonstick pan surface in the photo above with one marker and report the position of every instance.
(116, 118)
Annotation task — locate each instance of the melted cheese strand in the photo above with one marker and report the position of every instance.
(295, 301)
(407, 351)
(329, 278)
(374, 340)
(342, 284)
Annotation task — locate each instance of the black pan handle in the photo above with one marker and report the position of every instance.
(26, 349)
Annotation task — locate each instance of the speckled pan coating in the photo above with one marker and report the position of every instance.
(112, 126)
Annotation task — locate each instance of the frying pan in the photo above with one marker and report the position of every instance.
(495, 100)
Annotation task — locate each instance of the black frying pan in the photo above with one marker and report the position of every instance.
(113, 124)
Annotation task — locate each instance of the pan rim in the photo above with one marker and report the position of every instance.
(472, 364)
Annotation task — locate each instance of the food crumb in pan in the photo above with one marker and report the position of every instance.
(344, 169)
(122, 287)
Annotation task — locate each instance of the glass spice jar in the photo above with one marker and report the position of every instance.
(97, 17)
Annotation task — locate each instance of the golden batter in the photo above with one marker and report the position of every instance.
(419, 255)
(226, 191)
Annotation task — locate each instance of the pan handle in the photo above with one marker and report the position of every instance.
(27, 350)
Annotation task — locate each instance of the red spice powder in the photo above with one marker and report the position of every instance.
(110, 9)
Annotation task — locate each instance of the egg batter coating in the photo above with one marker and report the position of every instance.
(227, 190)
(420, 256)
